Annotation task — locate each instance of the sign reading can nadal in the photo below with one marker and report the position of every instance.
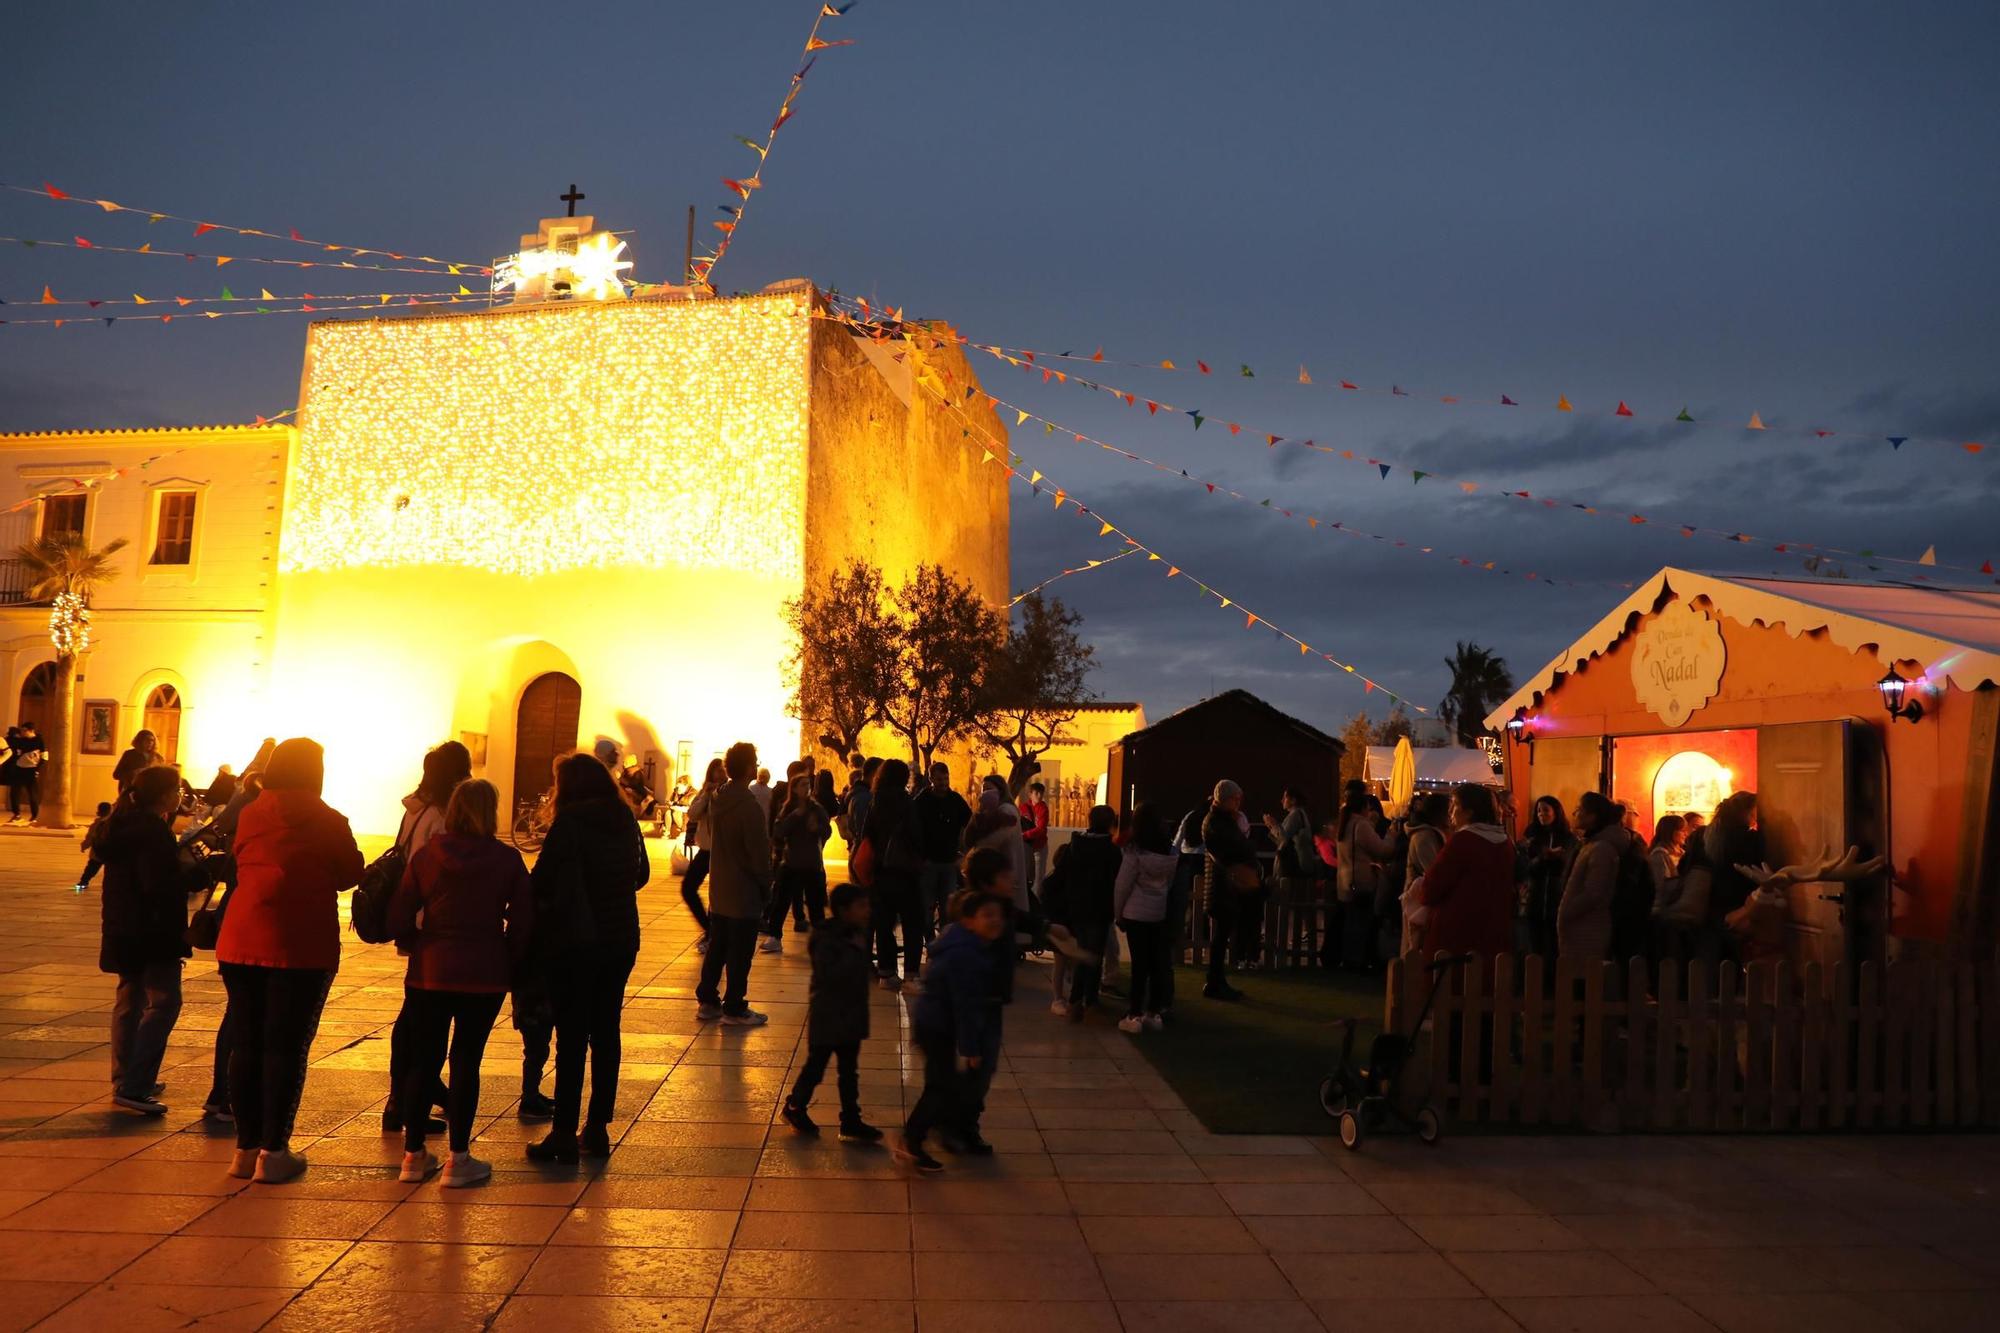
(1677, 662)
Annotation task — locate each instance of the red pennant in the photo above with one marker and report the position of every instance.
(1986, 567)
(1099, 355)
(201, 227)
(295, 234)
(1202, 366)
(82, 244)
(1130, 399)
(1235, 429)
(1623, 411)
(54, 193)
(1350, 384)
(1152, 408)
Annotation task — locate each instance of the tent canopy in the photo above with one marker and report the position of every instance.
(1436, 766)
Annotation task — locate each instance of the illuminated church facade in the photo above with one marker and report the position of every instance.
(532, 526)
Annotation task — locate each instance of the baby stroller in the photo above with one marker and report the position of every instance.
(1365, 1100)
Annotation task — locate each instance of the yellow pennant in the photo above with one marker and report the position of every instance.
(1104, 531)
(1020, 417)
(264, 294)
(1167, 365)
(464, 290)
(220, 260)
(138, 299)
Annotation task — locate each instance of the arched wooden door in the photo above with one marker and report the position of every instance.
(38, 698)
(544, 729)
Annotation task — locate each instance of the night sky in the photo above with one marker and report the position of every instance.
(1785, 208)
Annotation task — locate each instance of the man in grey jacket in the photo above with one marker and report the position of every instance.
(739, 885)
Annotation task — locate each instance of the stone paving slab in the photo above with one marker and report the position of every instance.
(1108, 1207)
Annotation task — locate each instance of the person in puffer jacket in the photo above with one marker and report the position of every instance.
(145, 933)
(950, 1018)
(1140, 898)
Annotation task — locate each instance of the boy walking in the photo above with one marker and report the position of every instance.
(953, 1015)
(837, 1014)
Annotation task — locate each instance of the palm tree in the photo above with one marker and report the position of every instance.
(1479, 681)
(65, 571)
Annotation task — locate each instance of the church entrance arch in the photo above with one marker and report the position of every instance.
(544, 730)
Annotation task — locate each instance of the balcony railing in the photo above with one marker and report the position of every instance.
(14, 582)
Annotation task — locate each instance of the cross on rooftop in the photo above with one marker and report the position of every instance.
(572, 198)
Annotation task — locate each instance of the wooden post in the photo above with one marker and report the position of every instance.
(1868, 1027)
(1472, 1022)
(1786, 1019)
(1591, 1103)
(1534, 1075)
(1757, 1046)
(1393, 1016)
(1562, 1045)
(1842, 1103)
(1728, 1070)
(1812, 1048)
(1970, 1111)
(1701, 1036)
(1500, 1103)
(1921, 1005)
(1666, 1046)
(1641, 1014)
(1945, 1025)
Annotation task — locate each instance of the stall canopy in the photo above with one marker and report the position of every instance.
(1436, 767)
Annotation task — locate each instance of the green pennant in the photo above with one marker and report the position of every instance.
(1684, 415)
(1416, 477)
(1048, 428)
(1265, 503)
(1865, 555)
(1198, 419)
(263, 310)
(1246, 373)
(228, 295)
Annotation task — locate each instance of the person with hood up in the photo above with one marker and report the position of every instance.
(739, 889)
(466, 906)
(145, 934)
(1468, 891)
(1583, 917)
(837, 1015)
(1140, 899)
(445, 766)
(586, 908)
(278, 950)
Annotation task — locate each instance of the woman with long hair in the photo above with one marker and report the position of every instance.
(897, 866)
(586, 880)
(698, 838)
(472, 895)
(1545, 851)
(801, 833)
(1140, 899)
(1731, 839)
(1468, 890)
(278, 951)
(445, 766)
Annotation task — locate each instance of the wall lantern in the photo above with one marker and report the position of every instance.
(1894, 693)
(1518, 729)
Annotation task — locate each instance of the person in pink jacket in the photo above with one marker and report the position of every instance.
(278, 950)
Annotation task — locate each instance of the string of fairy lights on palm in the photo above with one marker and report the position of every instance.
(891, 324)
(926, 379)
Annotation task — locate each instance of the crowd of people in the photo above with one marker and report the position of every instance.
(940, 898)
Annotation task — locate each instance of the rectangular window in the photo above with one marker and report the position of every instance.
(173, 540)
(62, 515)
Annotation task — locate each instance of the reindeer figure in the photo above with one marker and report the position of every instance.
(1760, 922)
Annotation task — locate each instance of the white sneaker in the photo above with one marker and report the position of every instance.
(465, 1169)
(770, 944)
(749, 1018)
(418, 1167)
(1154, 1023)
(1131, 1023)
(275, 1168)
(1059, 1007)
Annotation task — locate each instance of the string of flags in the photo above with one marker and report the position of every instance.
(48, 297)
(1561, 404)
(201, 228)
(71, 485)
(85, 243)
(995, 452)
(1083, 568)
(891, 324)
(703, 265)
(327, 305)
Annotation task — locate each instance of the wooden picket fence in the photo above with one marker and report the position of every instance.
(1293, 931)
(1913, 1045)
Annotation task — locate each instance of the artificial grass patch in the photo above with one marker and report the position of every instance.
(1254, 1067)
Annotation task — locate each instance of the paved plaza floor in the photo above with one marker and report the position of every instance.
(1108, 1206)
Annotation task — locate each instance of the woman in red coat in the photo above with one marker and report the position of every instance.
(279, 949)
(1469, 889)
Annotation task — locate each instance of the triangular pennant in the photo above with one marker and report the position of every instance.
(1684, 414)
(1896, 441)
(1416, 477)
(1167, 365)
(48, 296)
(1202, 366)
(1929, 557)
(1304, 378)
(228, 295)
(264, 294)
(1104, 531)
(1020, 417)
(1505, 401)
(1623, 411)
(1198, 419)
(139, 300)
(201, 227)
(1562, 403)
(1755, 423)
(1246, 372)
(1385, 470)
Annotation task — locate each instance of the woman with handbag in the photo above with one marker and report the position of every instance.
(472, 894)
(278, 951)
(445, 766)
(586, 882)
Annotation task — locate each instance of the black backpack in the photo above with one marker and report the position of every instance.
(1631, 903)
(368, 910)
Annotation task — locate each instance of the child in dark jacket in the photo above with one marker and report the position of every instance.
(1089, 872)
(837, 1014)
(952, 1017)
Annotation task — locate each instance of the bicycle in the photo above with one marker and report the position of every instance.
(532, 817)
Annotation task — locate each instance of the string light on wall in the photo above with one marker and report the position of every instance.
(534, 440)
